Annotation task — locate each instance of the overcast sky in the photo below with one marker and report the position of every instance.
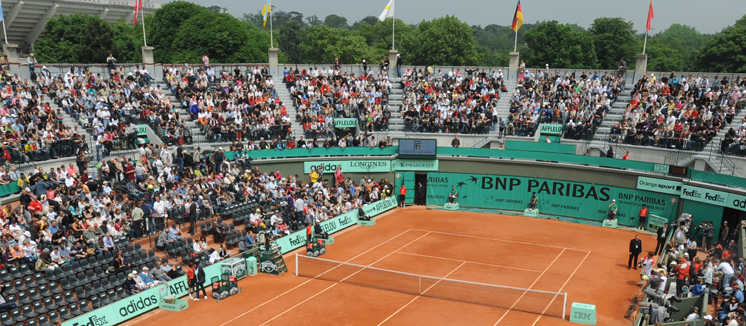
(708, 16)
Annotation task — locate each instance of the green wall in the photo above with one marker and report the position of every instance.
(704, 212)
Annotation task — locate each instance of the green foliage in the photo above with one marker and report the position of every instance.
(558, 45)
(662, 57)
(322, 44)
(368, 20)
(290, 40)
(80, 38)
(684, 39)
(382, 35)
(726, 51)
(217, 9)
(313, 20)
(279, 18)
(442, 41)
(367, 32)
(222, 37)
(614, 39)
(335, 21)
(127, 41)
(167, 22)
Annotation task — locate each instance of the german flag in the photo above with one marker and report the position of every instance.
(517, 18)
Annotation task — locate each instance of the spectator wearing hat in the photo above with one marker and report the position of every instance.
(613, 208)
(147, 278)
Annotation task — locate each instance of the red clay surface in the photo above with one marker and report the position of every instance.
(587, 262)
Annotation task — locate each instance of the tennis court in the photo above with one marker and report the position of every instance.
(424, 267)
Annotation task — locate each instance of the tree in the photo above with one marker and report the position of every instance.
(217, 9)
(684, 39)
(368, 20)
(322, 44)
(559, 46)
(442, 41)
(221, 37)
(662, 57)
(614, 38)
(291, 38)
(382, 35)
(496, 42)
(336, 21)
(127, 41)
(367, 32)
(76, 38)
(313, 20)
(166, 24)
(725, 52)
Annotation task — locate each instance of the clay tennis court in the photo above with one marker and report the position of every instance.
(587, 262)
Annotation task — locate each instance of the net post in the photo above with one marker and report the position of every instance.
(296, 264)
(419, 282)
(564, 305)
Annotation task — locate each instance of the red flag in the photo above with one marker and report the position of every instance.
(650, 17)
(138, 6)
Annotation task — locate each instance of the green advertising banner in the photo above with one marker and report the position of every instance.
(298, 239)
(655, 222)
(135, 305)
(345, 123)
(564, 198)
(550, 129)
(348, 166)
(704, 195)
(736, 202)
(415, 165)
(659, 185)
(541, 146)
(142, 130)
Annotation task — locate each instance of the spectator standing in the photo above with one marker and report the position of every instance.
(398, 65)
(643, 217)
(610, 152)
(205, 61)
(455, 142)
(707, 232)
(110, 60)
(31, 65)
(635, 248)
(626, 156)
(402, 194)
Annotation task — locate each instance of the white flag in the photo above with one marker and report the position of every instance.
(388, 11)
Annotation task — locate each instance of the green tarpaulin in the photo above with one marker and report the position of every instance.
(541, 146)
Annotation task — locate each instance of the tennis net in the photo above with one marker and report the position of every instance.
(526, 300)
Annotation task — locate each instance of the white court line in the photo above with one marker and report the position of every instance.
(415, 298)
(503, 240)
(333, 285)
(529, 288)
(299, 285)
(469, 261)
(560, 290)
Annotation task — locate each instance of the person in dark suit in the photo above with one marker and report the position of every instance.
(199, 279)
(192, 211)
(663, 233)
(635, 248)
(420, 194)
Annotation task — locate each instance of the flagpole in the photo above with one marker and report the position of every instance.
(393, 24)
(644, 45)
(271, 36)
(142, 10)
(515, 47)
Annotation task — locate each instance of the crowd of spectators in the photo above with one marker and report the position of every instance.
(682, 112)
(700, 262)
(227, 105)
(321, 95)
(452, 101)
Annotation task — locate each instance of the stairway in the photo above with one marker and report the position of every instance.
(614, 115)
(287, 100)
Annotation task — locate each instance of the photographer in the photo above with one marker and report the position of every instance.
(707, 232)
